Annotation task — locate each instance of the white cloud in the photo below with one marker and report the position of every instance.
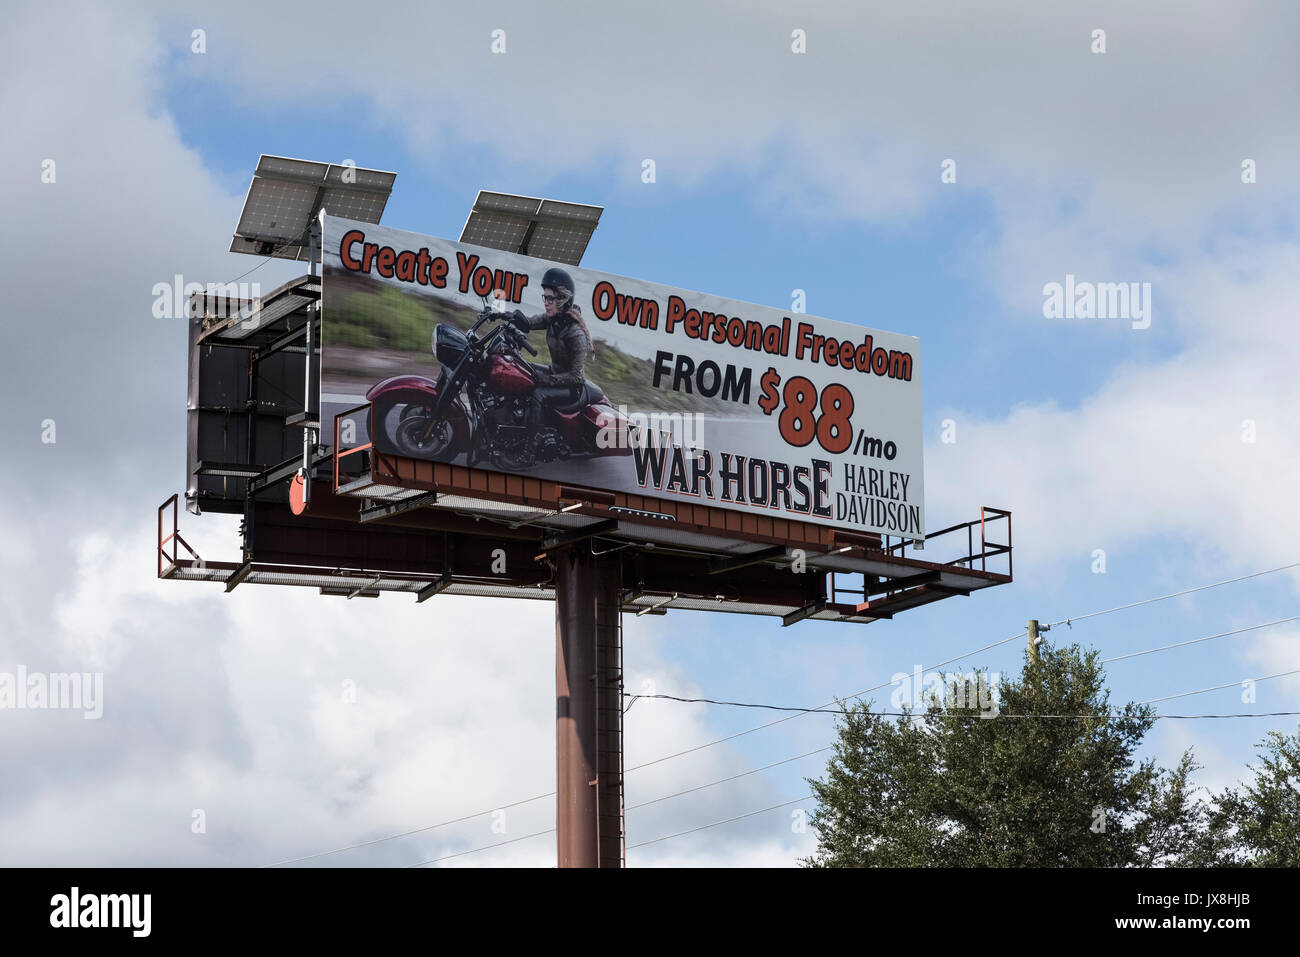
(235, 704)
(1158, 449)
(1102, 166)
(1084, 157)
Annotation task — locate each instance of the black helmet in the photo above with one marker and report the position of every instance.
(560, 281)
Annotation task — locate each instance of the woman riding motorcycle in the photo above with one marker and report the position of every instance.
(569, 343)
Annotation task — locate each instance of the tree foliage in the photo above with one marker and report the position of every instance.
(1259, 823)
(956, 787)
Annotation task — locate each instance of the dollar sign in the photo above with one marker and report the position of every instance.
(771, 379)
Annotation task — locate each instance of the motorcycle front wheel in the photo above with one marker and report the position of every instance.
(415, 439)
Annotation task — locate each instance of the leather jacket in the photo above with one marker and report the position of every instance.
(569, 346)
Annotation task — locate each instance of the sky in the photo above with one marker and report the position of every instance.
(272, 724)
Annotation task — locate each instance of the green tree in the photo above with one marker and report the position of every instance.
(1259, 823)
(954, 787)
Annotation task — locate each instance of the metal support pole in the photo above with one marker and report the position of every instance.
(254, 408)
(308, 433)
(609, 710)
(576, 826)
(588, 713)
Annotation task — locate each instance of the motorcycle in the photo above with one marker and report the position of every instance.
(478, 405)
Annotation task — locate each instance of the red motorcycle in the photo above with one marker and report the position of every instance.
(479, 405)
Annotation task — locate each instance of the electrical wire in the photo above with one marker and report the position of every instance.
(266, 259)
(984, 715)
(657, 840)
(470, 817)
(826, 709)
(774, 807)
(1063, 621)
(485, 847)
(1183, 644)
(416, 830)
(1230, 684)
(705, 827)
(1177, 594)
(732, 778)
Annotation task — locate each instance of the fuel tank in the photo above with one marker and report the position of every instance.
(508, 378)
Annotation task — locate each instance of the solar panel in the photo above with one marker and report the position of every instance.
(286, 195)
(545, 228)
(495, 231)
(552, 209)
(506, 202)
(564, 244)
(283, 166)
(276, 210)
(357, 204)
(363, 179)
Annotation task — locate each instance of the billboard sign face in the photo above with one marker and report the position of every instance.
(514, 364)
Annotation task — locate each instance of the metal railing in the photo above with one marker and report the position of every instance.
(988, 549)
(339, 451)
(897, 547)
(173, 538)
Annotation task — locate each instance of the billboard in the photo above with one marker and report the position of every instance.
(515, 364)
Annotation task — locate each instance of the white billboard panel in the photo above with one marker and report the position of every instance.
(515, 364)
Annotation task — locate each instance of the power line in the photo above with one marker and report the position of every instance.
(485, 847)
(250, 272)
(269, 256)
(1248, 714)
(1182, 644)
(1177, 594)
(741, 704)
(773, 807)
(732, 778)
(825, 709)
(1230, 684)
(1064, 621)
(985, 715)
(739, 817)
(416, 830)
(470, 817)
(705, 827)
(666, 837)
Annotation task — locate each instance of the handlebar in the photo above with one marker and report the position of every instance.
(516, 337)
(483, 317)
(507, 331)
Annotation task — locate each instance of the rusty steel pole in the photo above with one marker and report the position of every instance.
(609, 710)
(577, 837)
(588, 709)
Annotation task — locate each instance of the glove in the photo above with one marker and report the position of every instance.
(519, 321)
